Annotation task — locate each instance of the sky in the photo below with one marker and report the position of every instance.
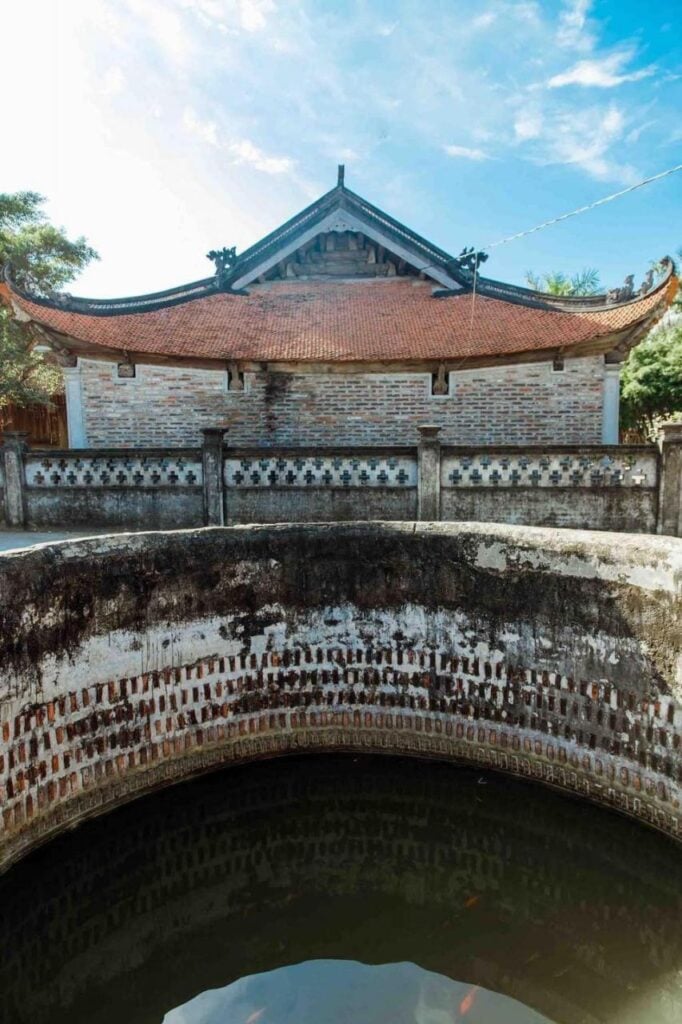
(341, 991)
(161, 129)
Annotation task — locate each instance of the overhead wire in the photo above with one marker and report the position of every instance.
(550, 223)
(584, 209)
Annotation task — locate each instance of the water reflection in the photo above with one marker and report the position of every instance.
(344, 991)
(286, 880)
(347, 993)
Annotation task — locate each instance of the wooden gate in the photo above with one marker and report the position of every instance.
(45, 425)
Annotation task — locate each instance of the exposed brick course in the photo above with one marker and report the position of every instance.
(151, 658)
(522, 404)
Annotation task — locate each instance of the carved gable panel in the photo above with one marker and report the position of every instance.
(342, 252)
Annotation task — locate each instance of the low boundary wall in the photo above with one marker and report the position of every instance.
(634, 489)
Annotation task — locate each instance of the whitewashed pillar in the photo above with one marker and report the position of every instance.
(212, 460)
(670, 482)
(610, 421)
(75, 420)
(428, 474)
(14, 446)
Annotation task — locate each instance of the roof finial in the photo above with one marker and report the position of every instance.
(342, 173)
(224, 260)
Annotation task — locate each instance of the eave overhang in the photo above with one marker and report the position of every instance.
(243, 317)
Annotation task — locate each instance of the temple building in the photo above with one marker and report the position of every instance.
(343, 327)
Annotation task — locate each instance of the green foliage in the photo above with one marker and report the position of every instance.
(42, 258)
(25, 377)
(586, 282)
(651, 382)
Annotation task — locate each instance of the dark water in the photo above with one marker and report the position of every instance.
(345, 890)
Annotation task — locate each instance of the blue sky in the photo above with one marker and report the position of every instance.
(163, 128)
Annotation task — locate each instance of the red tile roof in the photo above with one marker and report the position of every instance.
(366, 320)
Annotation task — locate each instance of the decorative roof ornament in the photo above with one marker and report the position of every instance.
(624, 293)
(647, 284)
(469, 260)
(224, 259)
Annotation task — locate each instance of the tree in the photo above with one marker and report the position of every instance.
(25, 376)
(586, 282)
(42, 259)
(651, 381)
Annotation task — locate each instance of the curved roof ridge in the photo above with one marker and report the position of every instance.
(124, 304)
(487, 287)
(296, 321)
(568, 303)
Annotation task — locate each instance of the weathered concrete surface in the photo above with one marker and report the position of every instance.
(99, 508)
(12, 540)
(133, 660)
(325, 504)
(607, 508)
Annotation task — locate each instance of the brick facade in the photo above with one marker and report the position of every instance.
(523, 404)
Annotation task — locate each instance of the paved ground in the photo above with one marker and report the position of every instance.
(11, 539)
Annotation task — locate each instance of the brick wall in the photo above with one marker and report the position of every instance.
(126, 662)
(513, 404)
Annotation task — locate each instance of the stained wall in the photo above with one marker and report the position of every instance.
(133, 661)
(525, 404)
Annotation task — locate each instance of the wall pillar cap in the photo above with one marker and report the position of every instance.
(15, 438)
(671, 430)
(213, 434)
(429, 431)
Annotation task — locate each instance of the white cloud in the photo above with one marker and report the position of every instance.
(207, 131)
(528, 125)
(633, 136)
(113, 82)
(571, 32)
(527, 11)
(583, 138)
(253, 14)
(165, 27)
(465, 152)
(230, 15)
(484, 20)
(604, 73)
(245, 152)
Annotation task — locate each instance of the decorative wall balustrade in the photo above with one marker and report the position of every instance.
(626, 468)
(291, 470)
(113, 469)
(634, 488)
